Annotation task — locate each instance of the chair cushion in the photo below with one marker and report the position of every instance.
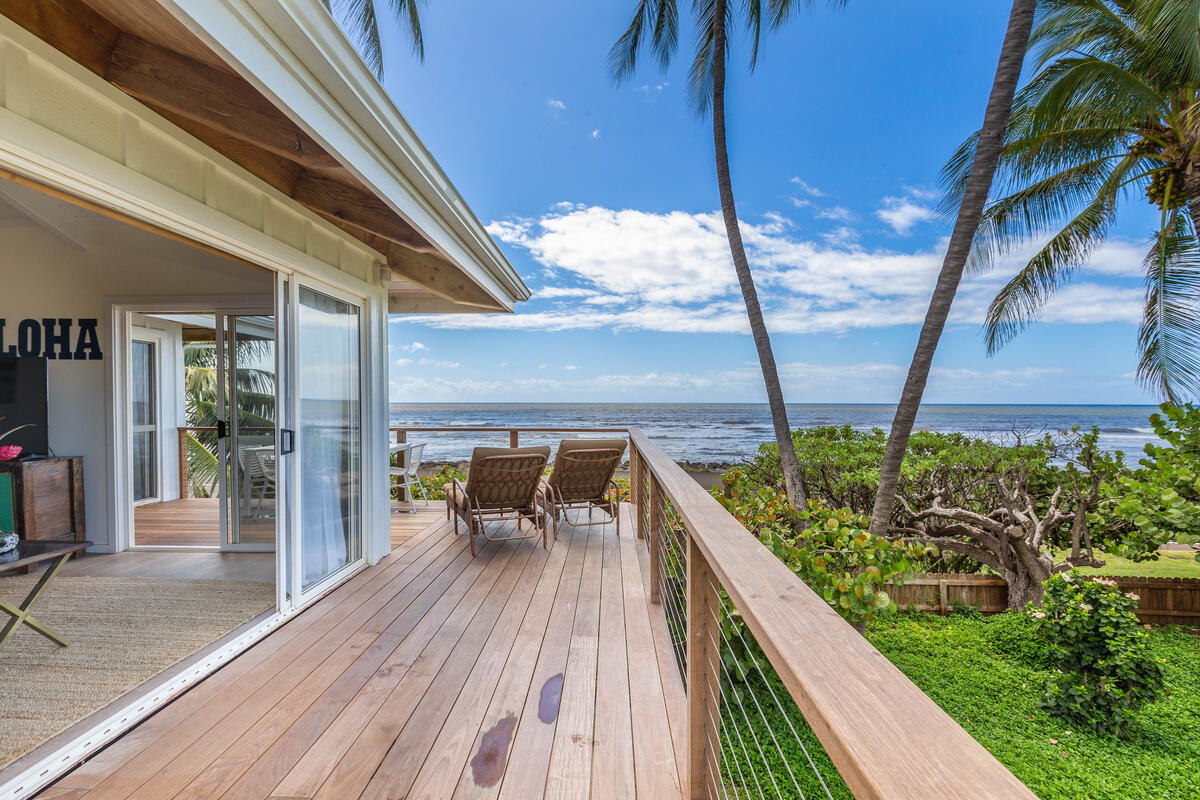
(454, 497)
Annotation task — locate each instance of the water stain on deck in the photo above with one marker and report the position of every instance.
(487, 767)
(551, 695)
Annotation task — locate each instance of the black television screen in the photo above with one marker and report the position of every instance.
(23, 401)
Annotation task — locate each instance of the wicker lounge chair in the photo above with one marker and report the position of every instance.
(583, 478)
(502, 484)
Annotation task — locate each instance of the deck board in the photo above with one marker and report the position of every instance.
(430, 675)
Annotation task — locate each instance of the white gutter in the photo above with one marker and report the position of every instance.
(296, 55)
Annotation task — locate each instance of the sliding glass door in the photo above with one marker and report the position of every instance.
(327, 383)
(246, 429)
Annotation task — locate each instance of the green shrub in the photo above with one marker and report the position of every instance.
(1159, 501)
(829, 549)
(1104, 666)
(433, 483)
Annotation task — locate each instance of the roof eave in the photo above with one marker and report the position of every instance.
(295, 54)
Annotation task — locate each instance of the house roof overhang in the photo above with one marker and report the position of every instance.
(276, 87)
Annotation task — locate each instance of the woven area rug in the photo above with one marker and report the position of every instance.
(123, 631)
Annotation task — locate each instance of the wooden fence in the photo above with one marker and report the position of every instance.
(1161, 601)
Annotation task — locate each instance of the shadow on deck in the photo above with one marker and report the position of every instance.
(520, 673)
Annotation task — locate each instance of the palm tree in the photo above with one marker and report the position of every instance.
(256, 404)
(1113, 106)
(362, 20)
(976, 185)
(706, 89)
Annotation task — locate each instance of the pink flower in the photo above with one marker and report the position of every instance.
(1132, 596)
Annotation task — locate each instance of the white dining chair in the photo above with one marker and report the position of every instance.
(404, 474)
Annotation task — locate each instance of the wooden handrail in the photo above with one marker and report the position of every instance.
(514, 434)
(865, 712)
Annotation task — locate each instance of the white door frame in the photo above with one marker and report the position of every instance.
(117, 377)
(294, 492)
(158, 340)
(231, 495)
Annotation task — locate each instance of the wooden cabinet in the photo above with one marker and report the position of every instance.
(46, 497)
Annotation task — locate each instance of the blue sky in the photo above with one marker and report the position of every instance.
(604, 198)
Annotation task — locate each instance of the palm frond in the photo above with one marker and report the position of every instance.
(1174, 38)
(1168, 336)
(360, 20)
(662, 17)
(700, 76)
(1019, 303)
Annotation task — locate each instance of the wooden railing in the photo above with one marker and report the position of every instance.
(742, 625)
(514, 434)
(884, 736)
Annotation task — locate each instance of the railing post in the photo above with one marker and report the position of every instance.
(633, 479)
(654, 535)
(513, 438)
(184, 483)
(401, 436)
(703, 676)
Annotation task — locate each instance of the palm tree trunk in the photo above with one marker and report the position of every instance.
(979, 184)
(758, 328)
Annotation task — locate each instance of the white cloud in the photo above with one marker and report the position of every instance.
(807, 188)
(570, 367)
(903, 213)
(852, 382)
(547, 292)
(671, 271)
(839, 213)
(652, 89)
(596, 133)
(413, 347)
(403, 362)
(429, 362)
(556, 105)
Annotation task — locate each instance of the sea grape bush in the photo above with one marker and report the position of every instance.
(1159, 501)
(1105, 668)
(435, 482)
(829, 549)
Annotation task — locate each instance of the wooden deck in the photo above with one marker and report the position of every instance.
(519, 673)
(193, 522)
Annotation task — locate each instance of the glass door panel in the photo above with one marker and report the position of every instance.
(247, 430)
(144, 417)
(328, 396)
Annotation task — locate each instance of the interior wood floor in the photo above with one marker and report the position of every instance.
(520, 673)
(255, 567)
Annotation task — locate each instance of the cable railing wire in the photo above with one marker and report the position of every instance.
(783, 711)
(741, 744)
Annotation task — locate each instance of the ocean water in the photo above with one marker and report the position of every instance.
(726, 433)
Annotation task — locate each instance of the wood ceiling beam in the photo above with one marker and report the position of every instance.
(69, 26)
(440, 277)
(212, 97)
(281, 173)
(428, 270)
(336, 200)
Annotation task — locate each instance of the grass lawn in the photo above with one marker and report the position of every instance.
(988, 674)
(1170, 564)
